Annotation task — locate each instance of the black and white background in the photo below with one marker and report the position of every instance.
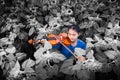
(22, 20)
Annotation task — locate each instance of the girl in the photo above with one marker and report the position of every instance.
(73, 34)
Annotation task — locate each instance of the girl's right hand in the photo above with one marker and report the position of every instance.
(81, 58)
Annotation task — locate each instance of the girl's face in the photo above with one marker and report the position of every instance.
(73, 35)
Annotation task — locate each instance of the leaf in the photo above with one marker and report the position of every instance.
(111, 54)
(117, 25)
(11, 50)
(117, 31)
(38, 53)
(16, 29)
(90, 45)
(108, 39)
(7, 27)
(28, 70)
(7, 66)
(55, 69)
(101, 57)
(31, 31)
(79, 52)
(90, 55)
(12, 36)
(41, 73)
(28, 63)
(88, 39)
(92, 65)
(4, 39)
(14, 72)
(52, 71)
(47, 18)
(1, 58)
(83, 74)
(11, 57)
(116, 69)
(11, 64)
(96, 65)
(23, 35)
(58, 57)
(47, 45)
(110, 25)
(38, 61)
(101, 29)
(2, 53)
(49, 71)
(20, 56)
(3, 65)
(96, 38)
(66, 67)
(77, 66)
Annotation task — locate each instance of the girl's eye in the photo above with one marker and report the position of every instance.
(72, 34)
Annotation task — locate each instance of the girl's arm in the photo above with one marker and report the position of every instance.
(57, 46)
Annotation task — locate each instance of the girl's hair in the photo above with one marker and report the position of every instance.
(74, 27)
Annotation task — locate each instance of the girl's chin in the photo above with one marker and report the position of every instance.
(72, 40)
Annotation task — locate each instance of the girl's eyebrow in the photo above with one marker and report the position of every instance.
(71, 34)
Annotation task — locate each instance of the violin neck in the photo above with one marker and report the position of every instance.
(52, 38)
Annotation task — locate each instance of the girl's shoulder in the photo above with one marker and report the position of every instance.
(81, 42)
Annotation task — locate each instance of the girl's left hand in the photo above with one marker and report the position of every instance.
(81, 58)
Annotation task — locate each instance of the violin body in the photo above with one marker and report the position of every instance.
(54, 39)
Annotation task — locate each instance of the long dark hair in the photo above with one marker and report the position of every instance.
(74, 27)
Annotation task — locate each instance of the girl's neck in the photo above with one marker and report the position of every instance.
(74, 43)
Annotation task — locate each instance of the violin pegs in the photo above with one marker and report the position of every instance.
(30, 41)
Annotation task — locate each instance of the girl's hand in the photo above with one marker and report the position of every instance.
(81, 58)
(42, 41)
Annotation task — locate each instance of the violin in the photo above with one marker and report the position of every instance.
(54, 39)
